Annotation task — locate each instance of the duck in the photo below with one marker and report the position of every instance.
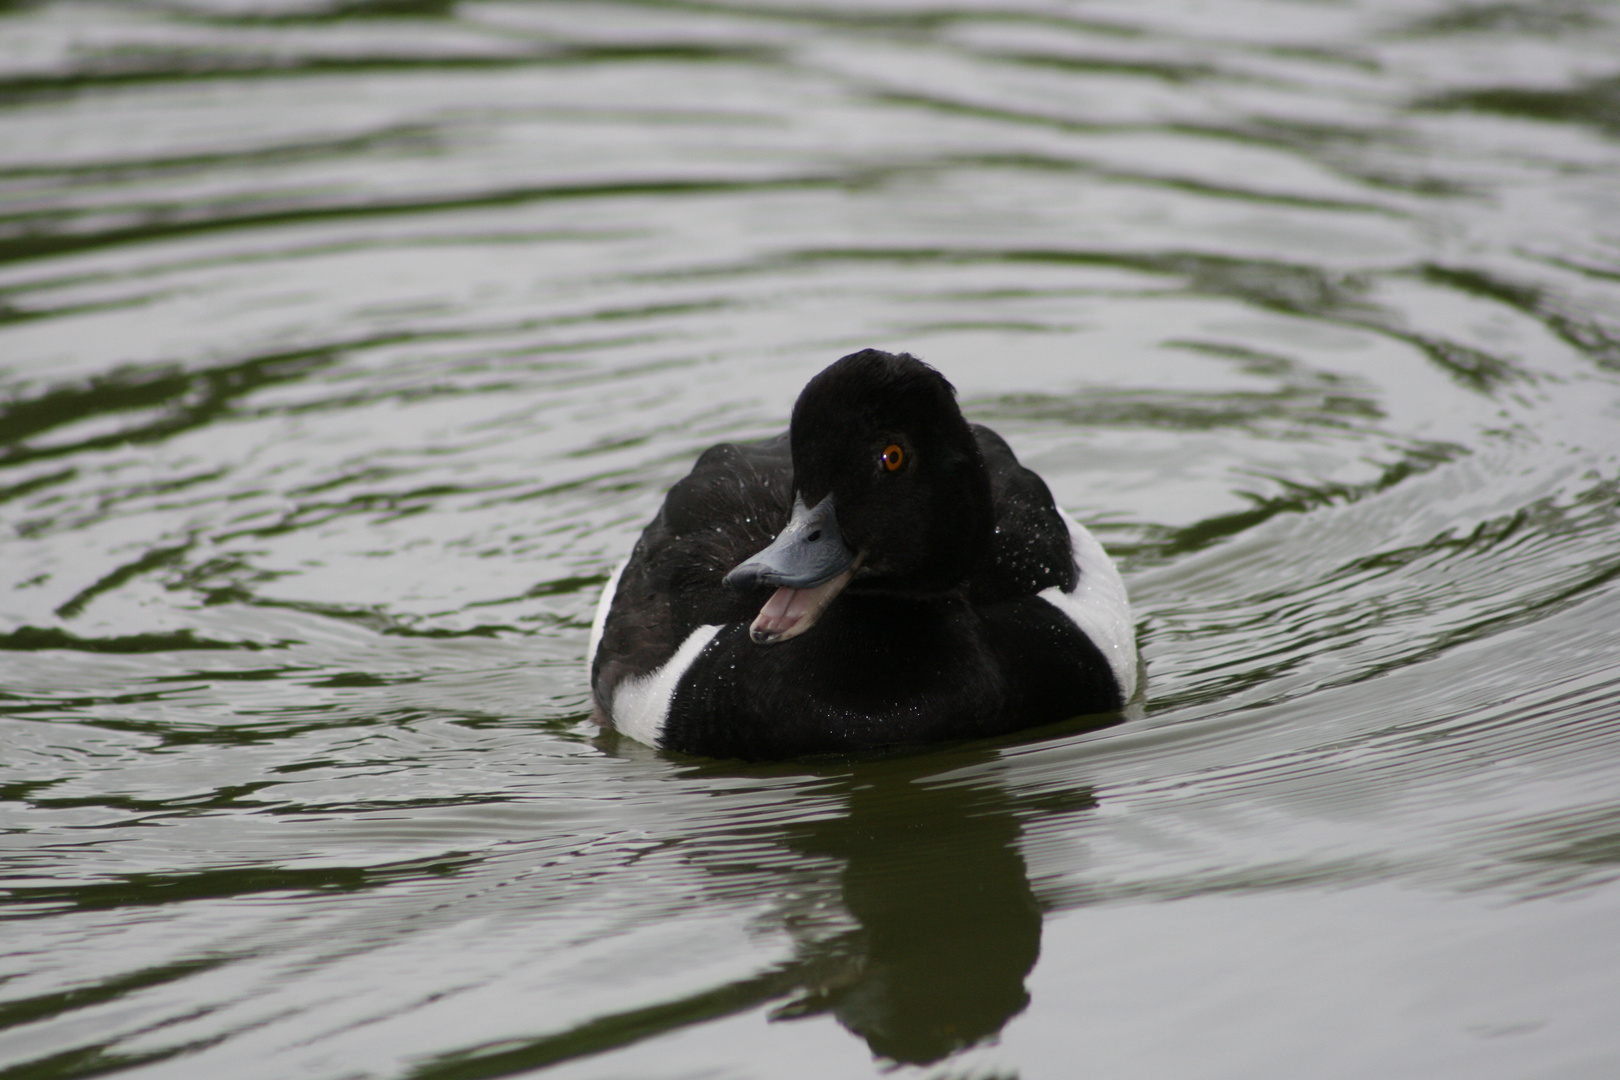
(884, 574)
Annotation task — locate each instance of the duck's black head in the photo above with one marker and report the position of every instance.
(891, 493)
(882, 434)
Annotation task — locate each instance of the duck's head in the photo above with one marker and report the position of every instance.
(890, 493)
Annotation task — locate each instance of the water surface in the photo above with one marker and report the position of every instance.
(345, 346)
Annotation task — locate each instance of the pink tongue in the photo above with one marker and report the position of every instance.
(783, 611)
(790, 612)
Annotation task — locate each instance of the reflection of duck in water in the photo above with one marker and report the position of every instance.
(912, 915)
(923, 587)
(949, 926)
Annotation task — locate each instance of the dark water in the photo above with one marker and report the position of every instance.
(346, 345)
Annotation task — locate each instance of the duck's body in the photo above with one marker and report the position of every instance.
(916, 585)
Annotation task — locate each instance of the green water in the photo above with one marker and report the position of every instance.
(345, 346)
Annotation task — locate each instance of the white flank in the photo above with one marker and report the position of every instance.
(641, 704)
(1099, 607)
(600, 619)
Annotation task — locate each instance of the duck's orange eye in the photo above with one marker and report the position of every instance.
(893, 457)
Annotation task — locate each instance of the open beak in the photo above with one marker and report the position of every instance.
(808, 562)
